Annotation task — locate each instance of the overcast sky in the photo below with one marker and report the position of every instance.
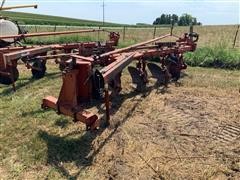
(138, 11)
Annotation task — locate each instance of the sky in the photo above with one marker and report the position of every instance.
(209, 12)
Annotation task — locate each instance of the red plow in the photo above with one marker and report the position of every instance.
(99, 77)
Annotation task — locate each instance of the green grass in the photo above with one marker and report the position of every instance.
(217, 57)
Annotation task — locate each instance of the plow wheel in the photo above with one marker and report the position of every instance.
(38, 69)
(7, 80)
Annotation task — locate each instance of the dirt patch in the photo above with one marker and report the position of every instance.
(185, 133)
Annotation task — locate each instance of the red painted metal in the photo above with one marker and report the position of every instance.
(9, 56)
(109, 72)
(133, 47)
(84, 80)
(72, 95)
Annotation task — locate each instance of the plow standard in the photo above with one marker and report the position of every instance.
(99, 77)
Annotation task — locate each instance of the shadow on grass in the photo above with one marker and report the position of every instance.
(67, 149)
(27, 82)
(62, 123)
(34, 112)
(77, 150)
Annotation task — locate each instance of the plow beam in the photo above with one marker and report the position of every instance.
(110, 72)
(133, 47)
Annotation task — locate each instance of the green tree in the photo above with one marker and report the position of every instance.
(183, 20)
(163, 19)
(187, 19)
(174, 18)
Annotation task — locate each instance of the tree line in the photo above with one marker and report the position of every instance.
(183, 20)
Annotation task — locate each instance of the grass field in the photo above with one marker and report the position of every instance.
(28, 18)
(209, 35)
(38, 144)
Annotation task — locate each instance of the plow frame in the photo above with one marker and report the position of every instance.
(83, 81)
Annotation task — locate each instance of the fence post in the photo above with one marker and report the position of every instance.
(154, 32)
(235, 38)
(55, 28)
(99, 33)
(191, 31)
(124, 31)
(35, 28)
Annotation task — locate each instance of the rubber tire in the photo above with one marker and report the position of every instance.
(36, 73)
(7, 80)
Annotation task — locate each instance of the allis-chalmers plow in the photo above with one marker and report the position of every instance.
(87, 78)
